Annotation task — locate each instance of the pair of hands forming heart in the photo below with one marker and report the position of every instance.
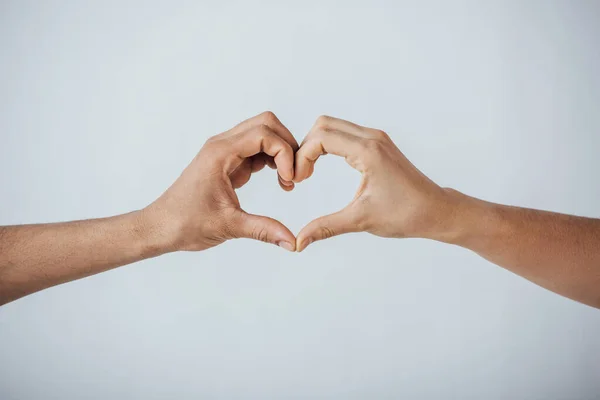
(201, 209)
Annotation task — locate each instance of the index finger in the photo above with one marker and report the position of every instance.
(324, 139)
(269, 119)
(262, 139)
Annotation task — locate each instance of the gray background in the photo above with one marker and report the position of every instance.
(102, 104)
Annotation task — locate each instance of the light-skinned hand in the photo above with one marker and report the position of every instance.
(394, 198)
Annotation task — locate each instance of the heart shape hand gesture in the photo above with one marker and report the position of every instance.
(201, 209)
(394, 199)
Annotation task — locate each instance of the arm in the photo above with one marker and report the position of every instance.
(34, 257)
(556, 251)
(200, 210)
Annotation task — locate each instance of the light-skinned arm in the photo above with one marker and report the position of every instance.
(556, 251)
(200, 210)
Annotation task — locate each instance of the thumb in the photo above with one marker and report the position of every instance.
(343, 221)
(265, 229)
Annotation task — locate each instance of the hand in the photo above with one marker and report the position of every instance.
(201, 209)
(394, 198)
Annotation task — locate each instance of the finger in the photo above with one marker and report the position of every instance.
(288, 186)
(344, 221)
(271, 163)
(264, 229)
(262, 139)
(254, 164)
(305, 159)
(263, 159)
(258, 162)
(345, 126)
(270, 119)
(284, 184)
(322, 140)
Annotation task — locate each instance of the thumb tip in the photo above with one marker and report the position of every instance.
(268, 230)
(284, 244)
(303, 243)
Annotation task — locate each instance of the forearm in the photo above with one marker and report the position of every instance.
(34, 257)
(557, 251)
(199, 211)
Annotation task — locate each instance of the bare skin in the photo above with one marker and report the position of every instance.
(200, 210)
(556, 251)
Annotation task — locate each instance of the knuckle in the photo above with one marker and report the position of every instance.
(323, 121)
(259, 133)
(264, 130)
(212, 141)
(268, 117)
(286, 149)
(317, 135)
(380, 135)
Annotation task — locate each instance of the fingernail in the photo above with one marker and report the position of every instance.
(287, 183)
(286, 245)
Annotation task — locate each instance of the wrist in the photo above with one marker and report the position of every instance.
(151, 230)
(461, 218)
